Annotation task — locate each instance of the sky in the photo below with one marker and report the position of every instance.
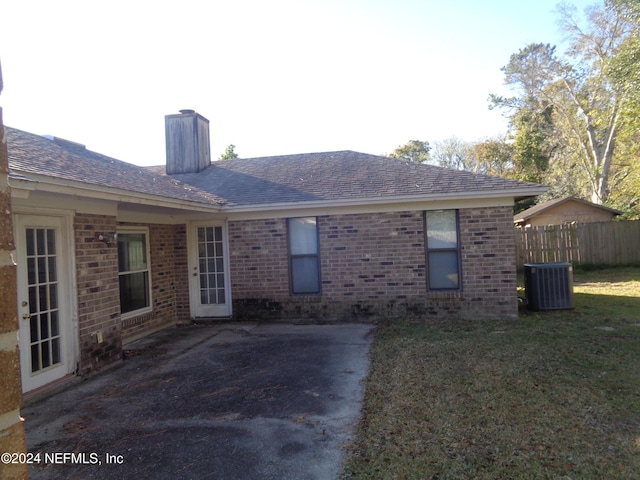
(272, 77)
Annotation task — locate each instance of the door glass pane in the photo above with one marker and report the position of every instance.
(35, 357)
(41, 247)
(53, 296)
(42, 296)
(42, 269)
(55, 326)
(51, 268)
(33, 299)
(443, 270)
(46, 360)
(208, 266)
(211, 265)
(42, 276)
(33, 328)
(31, 270)
(55, 350)
(51, 241)
(44, 326)
(31, 248)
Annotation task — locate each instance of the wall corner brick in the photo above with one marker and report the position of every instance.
(12, 437)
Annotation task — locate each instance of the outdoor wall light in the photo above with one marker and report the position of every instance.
(106, 237)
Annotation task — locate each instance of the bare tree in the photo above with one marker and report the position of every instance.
(586, 104)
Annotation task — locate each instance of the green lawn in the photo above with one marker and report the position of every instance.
(549, 395)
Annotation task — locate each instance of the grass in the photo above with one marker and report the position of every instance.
(549, 395)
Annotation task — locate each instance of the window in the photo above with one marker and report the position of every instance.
(133, 267)
(443, 250)
(303, 255)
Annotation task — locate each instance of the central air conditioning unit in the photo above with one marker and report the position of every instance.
(548, 286)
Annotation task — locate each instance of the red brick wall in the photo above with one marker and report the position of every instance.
(489, 262)
(181, 273)
(98, 292)
(373, 265)
(259, 259)
(259, 269)
(372, 258)
(167, 246)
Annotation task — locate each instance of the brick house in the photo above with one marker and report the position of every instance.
(109, 252)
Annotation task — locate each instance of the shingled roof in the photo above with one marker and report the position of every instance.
(341, 175)
(32, 156)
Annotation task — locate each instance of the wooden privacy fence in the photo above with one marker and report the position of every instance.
(606, 243)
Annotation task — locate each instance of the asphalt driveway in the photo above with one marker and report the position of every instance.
(228, 401)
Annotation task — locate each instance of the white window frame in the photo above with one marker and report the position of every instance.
(132, 231)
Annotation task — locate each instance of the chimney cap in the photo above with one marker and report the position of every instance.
(187, 110)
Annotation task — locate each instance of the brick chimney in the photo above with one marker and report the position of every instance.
(187, 137)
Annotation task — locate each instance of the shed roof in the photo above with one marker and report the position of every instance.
(544, 206)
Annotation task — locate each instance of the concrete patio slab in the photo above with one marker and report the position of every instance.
(226, 401)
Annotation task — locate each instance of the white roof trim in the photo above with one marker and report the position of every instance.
(453, 196)
(72, 187)
(30, 182)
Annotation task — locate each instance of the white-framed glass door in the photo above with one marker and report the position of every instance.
(44, 299)
(209, 286)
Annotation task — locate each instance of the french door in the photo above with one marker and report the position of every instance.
(44, 299)
(209, 286)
